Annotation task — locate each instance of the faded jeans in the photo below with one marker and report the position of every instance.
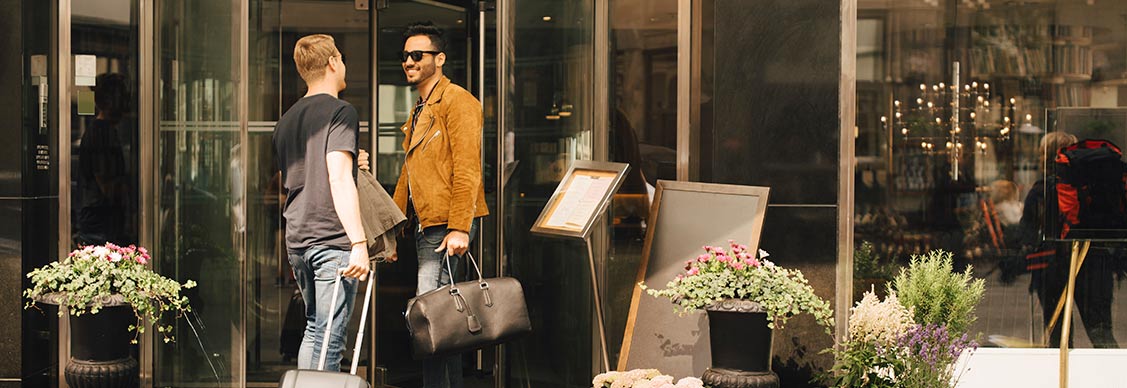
(445, 372)
(316, 269)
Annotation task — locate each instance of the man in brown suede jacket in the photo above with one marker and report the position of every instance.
(440, 187)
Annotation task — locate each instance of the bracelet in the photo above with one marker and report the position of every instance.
(358, 243)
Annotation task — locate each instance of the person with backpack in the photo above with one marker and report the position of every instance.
(1052, 214)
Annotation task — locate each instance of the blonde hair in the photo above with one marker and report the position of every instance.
(1003, 190)
(312, 54)
(1054, 141)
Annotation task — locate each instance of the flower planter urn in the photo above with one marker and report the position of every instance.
(100, 349)
(741, 346)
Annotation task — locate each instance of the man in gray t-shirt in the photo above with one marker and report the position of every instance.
(315, 141)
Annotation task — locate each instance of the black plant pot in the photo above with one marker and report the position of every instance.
(100, 350)
(741, 346)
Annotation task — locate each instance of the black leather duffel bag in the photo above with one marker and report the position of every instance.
(466, 316)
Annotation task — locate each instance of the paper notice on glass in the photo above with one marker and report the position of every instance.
(85, 70)
(579, 202)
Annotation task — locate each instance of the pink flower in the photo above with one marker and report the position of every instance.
(703, 258)
(143, 259)
(723, 258)
(694, 271)
(143, 251)
(737, 265)
(112, 246)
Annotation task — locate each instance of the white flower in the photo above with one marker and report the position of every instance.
(115, 257)
(100, 251)
(873, 321)
(662, 379)
(690, 382)
(763, 254)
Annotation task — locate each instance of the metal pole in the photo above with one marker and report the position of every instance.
(598, 306)
(500, 26)
(373, 139)
(1078, 254)
(62, 94)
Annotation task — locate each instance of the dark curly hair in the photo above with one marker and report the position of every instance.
(431, 31)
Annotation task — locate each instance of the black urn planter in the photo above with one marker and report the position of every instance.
(741, 346)
(100, 350)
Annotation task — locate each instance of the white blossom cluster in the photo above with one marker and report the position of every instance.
(877, 322)
(643, 378)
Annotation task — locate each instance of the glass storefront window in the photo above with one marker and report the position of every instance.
(643, 133)
(546, 108)
(954, 100)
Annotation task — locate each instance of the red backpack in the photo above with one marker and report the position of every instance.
(1091, 191)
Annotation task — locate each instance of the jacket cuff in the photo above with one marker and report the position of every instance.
(461, 226)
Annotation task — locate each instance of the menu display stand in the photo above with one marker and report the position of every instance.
(579, 201)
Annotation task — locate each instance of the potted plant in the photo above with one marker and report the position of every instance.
(110, 293)
(913, 338)
(746, 297)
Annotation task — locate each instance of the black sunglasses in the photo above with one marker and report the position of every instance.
(416, 55)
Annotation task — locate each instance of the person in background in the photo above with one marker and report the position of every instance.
(1048, 261)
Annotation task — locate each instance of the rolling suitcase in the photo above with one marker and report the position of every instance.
(319, 378)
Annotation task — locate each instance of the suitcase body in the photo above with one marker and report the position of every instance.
(311, 378)
(308, 378)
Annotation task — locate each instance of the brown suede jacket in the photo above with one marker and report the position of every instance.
(443, 166)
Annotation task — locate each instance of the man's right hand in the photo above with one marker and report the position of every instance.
(362, 160)
(357, 263)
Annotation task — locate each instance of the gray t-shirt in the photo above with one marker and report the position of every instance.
(313, 127)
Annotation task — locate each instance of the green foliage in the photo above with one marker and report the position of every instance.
(719, 275)
(862, 364)
(936, 294)
(868, 265)
(91, 277)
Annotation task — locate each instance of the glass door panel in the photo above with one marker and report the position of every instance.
(104, 153)
(275, 324)
(397, 282)
(200, 218)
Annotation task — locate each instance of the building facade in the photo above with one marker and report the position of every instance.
(149, 122)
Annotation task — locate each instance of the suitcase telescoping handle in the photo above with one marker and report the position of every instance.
(360, 332)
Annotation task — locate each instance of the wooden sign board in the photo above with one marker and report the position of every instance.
(580, 198)
(684, 217)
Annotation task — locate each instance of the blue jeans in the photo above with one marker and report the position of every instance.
(316, 271)
(443, 372)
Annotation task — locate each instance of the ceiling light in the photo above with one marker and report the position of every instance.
(547, 18)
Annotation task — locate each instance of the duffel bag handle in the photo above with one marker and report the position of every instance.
(472, 323)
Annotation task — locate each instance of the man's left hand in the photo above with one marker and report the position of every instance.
(456, 243)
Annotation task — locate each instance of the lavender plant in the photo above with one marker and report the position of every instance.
(930, 355)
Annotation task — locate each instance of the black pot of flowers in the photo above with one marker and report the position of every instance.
(741, 346)
(100, 349)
